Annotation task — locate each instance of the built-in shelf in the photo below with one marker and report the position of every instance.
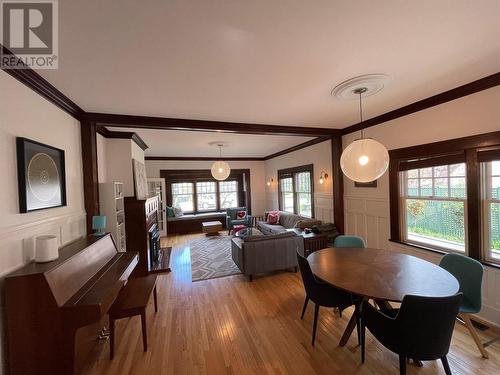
(111, 205)
(156, 187)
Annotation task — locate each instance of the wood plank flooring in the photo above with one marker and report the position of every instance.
(231, 326)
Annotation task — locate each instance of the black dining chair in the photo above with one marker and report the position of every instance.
(420, 329)
(321, 293)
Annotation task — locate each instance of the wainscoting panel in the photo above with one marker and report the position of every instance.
(369, 218)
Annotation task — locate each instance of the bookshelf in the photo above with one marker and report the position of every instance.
(112, 205)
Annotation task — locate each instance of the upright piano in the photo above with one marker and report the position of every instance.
(55, 311)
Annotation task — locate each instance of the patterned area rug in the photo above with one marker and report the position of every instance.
(211, 257)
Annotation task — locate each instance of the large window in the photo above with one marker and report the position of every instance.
(296, 190)
(491, 209)
(228, 194)
(183, 196)
(445, 196)
(206, 195)
(434, 205)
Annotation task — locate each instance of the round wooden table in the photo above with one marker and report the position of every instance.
(381, 275)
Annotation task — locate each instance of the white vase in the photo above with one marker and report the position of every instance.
(46, 249)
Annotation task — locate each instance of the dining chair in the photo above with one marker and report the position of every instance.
(469, 273)
(420, 329)
(349, 241)
(321, 293)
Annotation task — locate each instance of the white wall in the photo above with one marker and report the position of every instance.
(102, 162)
(320, 155)
(25, 113)
(367, 209)
(257, 176)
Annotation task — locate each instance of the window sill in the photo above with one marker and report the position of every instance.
(419, 247)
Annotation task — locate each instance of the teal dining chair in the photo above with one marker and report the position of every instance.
(349, 241)
(469, 273)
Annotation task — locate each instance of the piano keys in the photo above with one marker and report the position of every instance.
(55, 311)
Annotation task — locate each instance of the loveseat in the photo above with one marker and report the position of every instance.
(286, 221)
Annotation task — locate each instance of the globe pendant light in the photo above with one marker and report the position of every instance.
(365, 159)
(220, 169)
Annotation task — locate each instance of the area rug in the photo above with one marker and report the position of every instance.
(211, 257)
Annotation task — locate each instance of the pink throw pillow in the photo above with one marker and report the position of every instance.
(241, 215)
(273, 218)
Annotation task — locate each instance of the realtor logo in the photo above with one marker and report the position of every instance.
(29, 30)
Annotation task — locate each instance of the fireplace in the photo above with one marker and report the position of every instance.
(154, 245)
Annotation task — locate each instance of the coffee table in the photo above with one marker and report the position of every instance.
(211, 228)
(248, 232)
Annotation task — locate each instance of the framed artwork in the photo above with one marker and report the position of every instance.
(41, 175)
(371, 184)
(140, 180)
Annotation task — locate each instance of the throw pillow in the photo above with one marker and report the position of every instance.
(178, 212)
(170, 212)
(240, 215)
(273, 218)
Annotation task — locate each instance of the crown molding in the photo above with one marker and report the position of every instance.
(446, 96)
(106, 133)
(34, 81)
(297, 147)
(201, 158)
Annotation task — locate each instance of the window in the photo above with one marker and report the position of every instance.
(206, 195)
(434, 206)
(228, 194)
(296, 190)
(491, 209)
(183, 196)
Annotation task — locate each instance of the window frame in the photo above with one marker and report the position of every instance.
(219, 192)
(486, 201)
(293, 172)
(192, 194)
(472, 150)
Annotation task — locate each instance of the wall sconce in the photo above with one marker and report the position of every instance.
(270, 181)
(323, 177)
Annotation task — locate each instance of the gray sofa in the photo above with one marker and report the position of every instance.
(286, 221)
(261, 253)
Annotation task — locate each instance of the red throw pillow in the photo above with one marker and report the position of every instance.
(241, 215)
(273, 218)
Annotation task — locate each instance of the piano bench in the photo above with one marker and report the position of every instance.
(132, 300)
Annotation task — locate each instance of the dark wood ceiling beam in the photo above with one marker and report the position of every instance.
(201, 158)
(146, 122)
(106, 133)
(456, 93)
(297, 147)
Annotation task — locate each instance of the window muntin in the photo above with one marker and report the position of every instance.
(434, 205)
(304, 195)
(490, 182)
(206, 194)
(183, 196)
(228, 194)
(287, 198)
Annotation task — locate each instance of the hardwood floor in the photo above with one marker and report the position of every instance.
(231, 326)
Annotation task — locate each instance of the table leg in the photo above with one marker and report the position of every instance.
(348, 330)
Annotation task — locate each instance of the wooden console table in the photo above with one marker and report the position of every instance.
(312, 241)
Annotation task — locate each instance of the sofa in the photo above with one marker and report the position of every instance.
(286, 221)
(265, 253)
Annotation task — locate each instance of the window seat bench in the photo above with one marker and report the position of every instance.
(191, 223)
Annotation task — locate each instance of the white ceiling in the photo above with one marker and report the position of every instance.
(272, 62)
(193, 144)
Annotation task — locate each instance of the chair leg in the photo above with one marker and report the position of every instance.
(363, 337)
(402, 365)
(315, 324)
(358, 322)
(446, 365)
(155, 296)
(111, 338)
(474, 335)
(304, 308)
(144, 331)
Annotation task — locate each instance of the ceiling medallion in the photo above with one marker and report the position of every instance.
(370, 83)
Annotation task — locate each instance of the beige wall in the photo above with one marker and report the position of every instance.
(320, 155)
(367, 209)
(26, 114)
(257, 176)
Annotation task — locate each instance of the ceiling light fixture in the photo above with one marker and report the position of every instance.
(220, 169)
(365, 159)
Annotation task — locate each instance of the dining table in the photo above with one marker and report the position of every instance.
(382, 275)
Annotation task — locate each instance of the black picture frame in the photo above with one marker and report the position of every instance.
(371, 184)
(41, 175)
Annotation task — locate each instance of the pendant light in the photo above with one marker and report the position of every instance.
(365, 159)
(220, 169)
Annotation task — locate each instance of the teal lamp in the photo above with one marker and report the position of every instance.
(99, 224)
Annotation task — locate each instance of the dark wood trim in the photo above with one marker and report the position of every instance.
(90, 175)
(338, 184)
(34, 81)
(146, 122)
(201, 158)
(446, 96)
(106, 133)
(297, 147)
(291, 172)
(488, 155)
(466, 149)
